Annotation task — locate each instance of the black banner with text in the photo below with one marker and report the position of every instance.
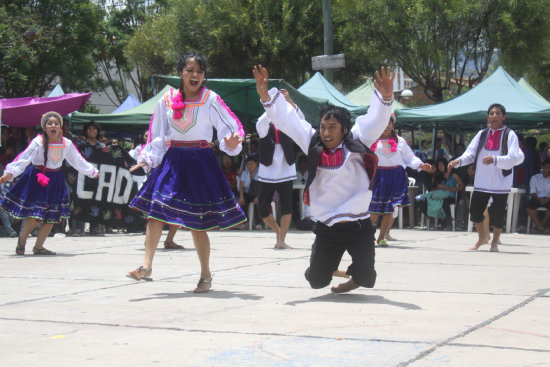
(105, 200)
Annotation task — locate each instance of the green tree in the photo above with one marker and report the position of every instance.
(45, 42)
(118, 72)
(445, 47)
(235, 35)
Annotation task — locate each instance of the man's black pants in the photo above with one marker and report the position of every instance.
(357, 238)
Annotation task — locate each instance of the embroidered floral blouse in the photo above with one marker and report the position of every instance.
(200, 118)
(57, 152)
(403, 155)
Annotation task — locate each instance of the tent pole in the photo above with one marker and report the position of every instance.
(434, 133)
(420, 137)
(246, 108)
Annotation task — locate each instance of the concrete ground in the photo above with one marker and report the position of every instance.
(434, 304)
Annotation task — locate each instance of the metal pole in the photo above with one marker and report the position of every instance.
(327, 36)
(434, 133)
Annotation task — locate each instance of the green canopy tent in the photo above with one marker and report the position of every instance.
(532, 90)
(319, 87)
(469, 110)
(136, 118)
(241, 97)
(362, 95)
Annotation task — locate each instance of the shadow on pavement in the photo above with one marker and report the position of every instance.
(356, 298)
(211, 294)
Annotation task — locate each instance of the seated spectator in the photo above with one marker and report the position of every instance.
(540, 197)
(6, 229)
(19, 140)
(426, 184)
(446, 186)
(138, 144)
(440, 151)
(248, 189)
(67, 133)
(7, 148)
(543, 151)
(230, 172)
(301, 172)
(30, 133)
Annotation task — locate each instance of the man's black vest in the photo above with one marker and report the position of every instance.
(267, 147)
(355, 146)
(504, 146)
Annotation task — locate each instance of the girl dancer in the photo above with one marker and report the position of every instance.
(40, 195)
(188, 187)
(390, 184)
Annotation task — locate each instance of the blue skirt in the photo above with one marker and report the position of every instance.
(28, 199)
(189, 189)
(390, 189)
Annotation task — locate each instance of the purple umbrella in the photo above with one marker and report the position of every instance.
(27, 111)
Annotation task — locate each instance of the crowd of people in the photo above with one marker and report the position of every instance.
(351, 176)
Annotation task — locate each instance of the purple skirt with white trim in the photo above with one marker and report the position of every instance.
(390, 189)
(189, 189)
(28, 199)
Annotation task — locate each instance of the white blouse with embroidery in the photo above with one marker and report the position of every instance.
(403, 156)
(199, 119)
(57, 152)
(337, 194)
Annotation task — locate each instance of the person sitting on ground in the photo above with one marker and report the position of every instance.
(540, 197)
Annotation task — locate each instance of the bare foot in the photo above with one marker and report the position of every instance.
(390, 238)
(171, 245)
(283, 246)
(494, 246)
(478, 244)
(204, 285)
(345, 287)
(341, 274)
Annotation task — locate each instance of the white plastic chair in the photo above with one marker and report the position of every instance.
(412, 182)
(453, 219)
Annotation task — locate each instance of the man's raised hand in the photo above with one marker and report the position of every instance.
(384, 82)
(262, 78)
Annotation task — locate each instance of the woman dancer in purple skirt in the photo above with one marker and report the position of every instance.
(390, 184)
(40, 194)
(187, 187)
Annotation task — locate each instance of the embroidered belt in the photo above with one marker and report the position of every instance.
(189, 144)
(41, 168)
(388, 167)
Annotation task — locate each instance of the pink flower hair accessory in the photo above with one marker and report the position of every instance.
(178, 105)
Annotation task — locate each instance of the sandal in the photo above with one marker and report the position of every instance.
(42, 251)
(20, 249)
(171, 245)
(204, 285)
(141, 273)
(382, 243)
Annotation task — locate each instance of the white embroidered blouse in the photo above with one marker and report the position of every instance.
(199, 119)
(57, 152)
(403, 156)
